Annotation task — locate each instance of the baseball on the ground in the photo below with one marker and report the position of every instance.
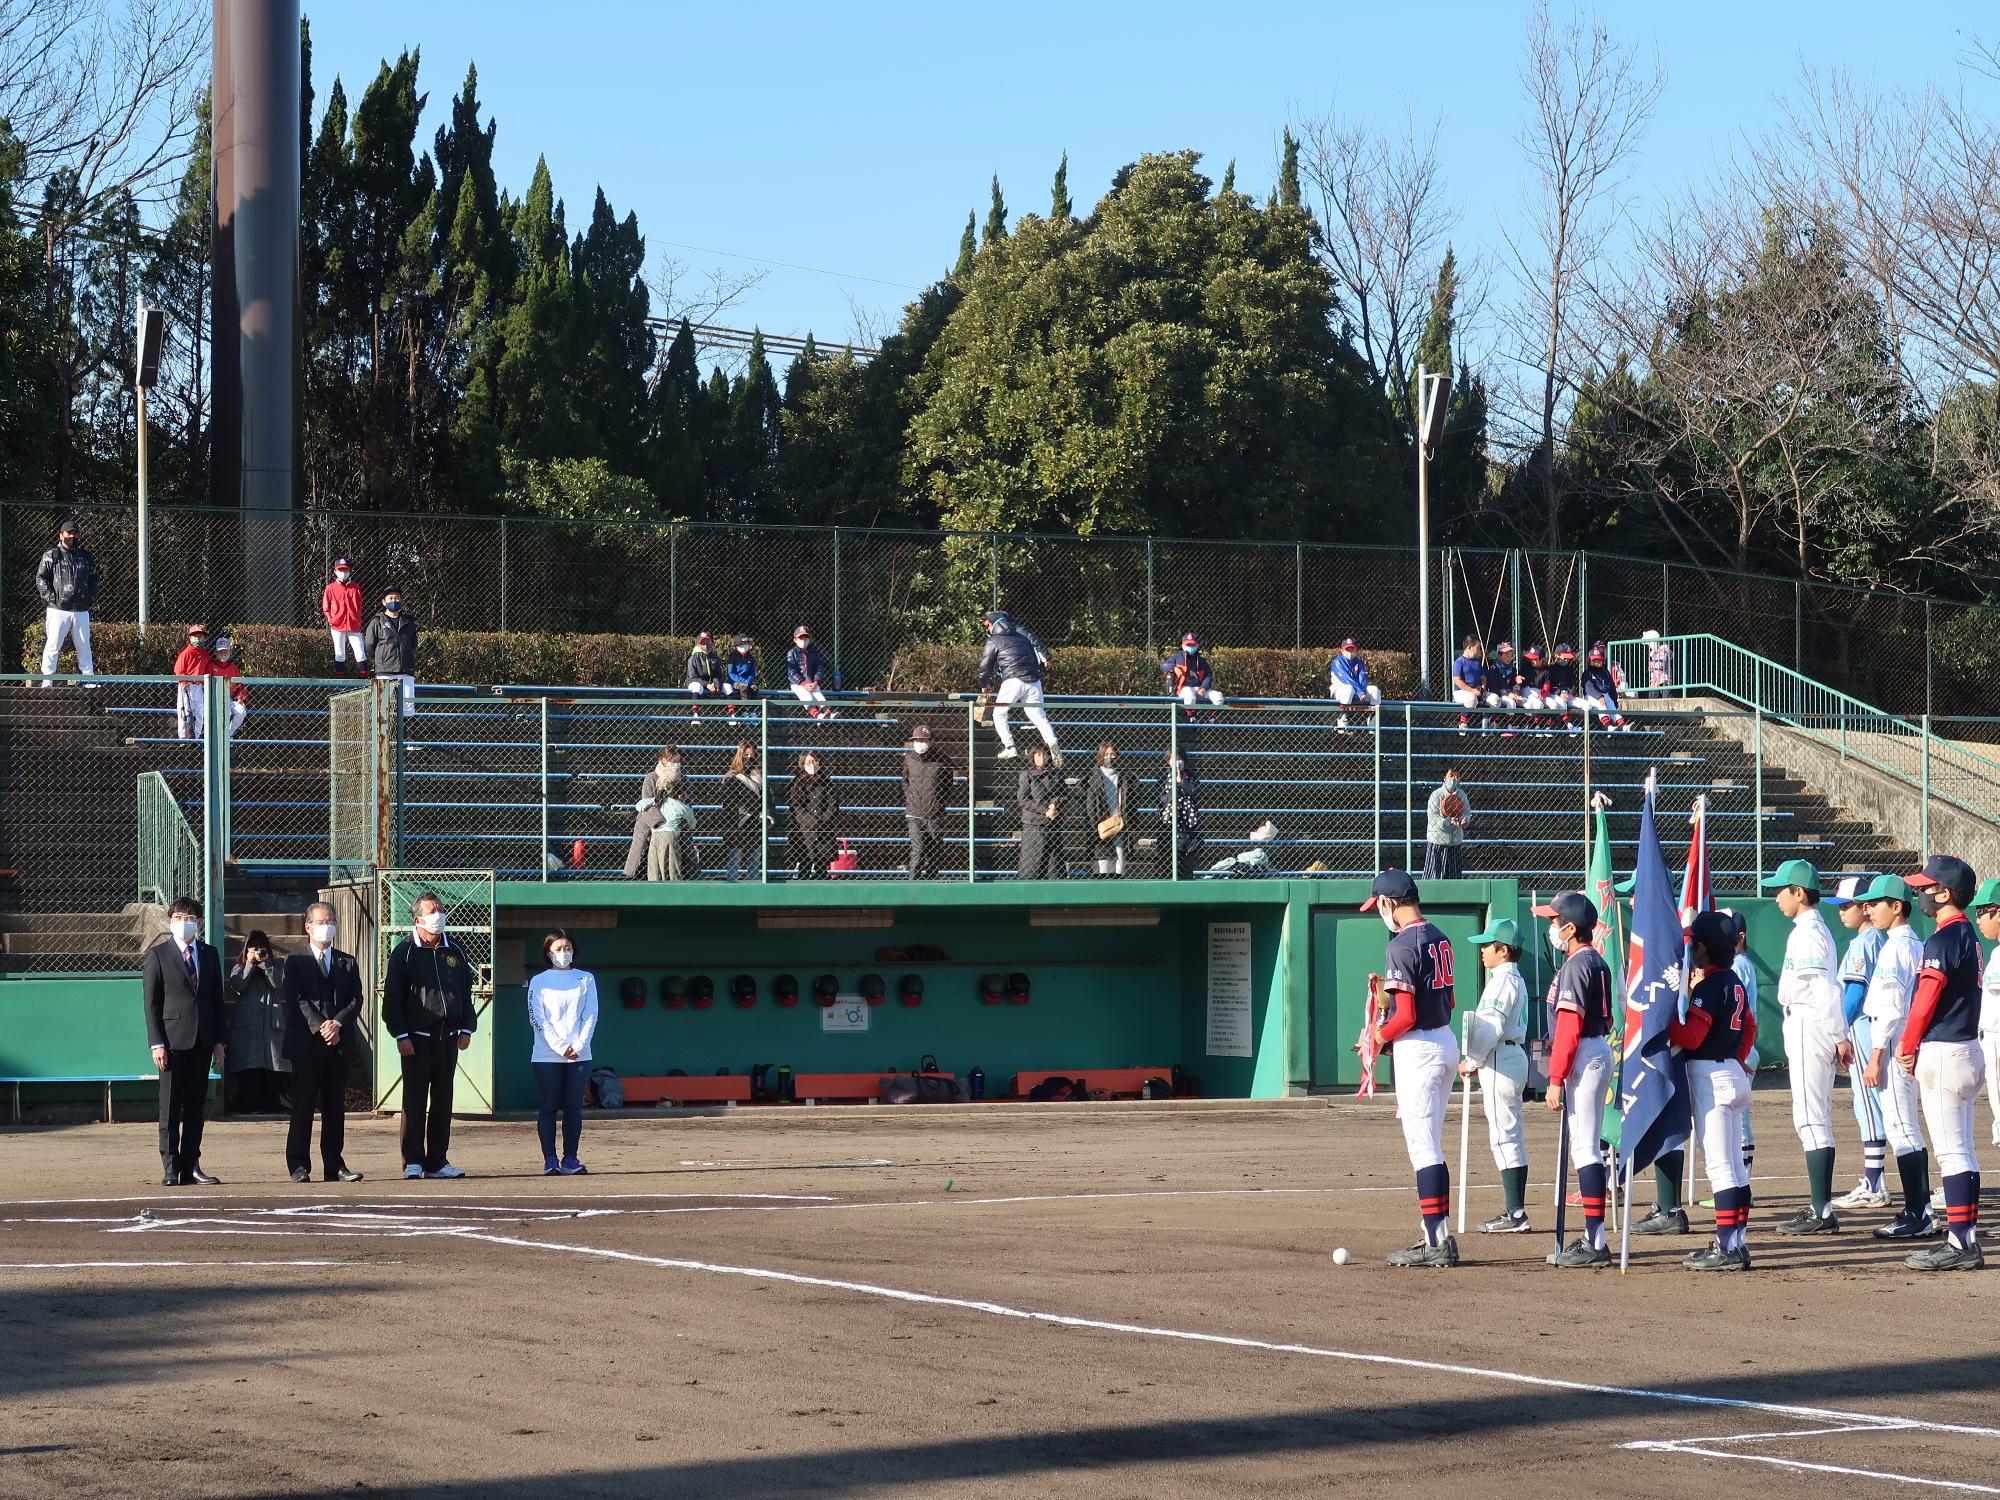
(1340, 1256)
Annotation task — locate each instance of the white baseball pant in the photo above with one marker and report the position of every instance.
(1425, 1063)
(1810, 1039)
(1584, 1093)
(1029, 696)
(189, 721)
(60, 625)
(1500, 1084)
(409, 690)
(1192, 695)
(1867, 1101)
(1346, 697)
(1902, 1111)
(238, 712)
(1989, 1046)
(348, 641)
(1721, 1094)
(808, 693)
(1948, 1078)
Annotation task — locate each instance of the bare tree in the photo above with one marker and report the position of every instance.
(1383, 222)
(1589, 100)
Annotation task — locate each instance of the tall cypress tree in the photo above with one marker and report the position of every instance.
(1288, 174)
(1059, 204)
(996, 215)
(968, 244)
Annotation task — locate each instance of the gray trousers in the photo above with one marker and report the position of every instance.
(926, 848)
(642, 831)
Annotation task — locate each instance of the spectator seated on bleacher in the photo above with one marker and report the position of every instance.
(1189, 676)
(1348, 684)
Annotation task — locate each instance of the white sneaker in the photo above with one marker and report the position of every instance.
(1007, 752)
(413, 1170)
(447, 1170)
(1861, 1196)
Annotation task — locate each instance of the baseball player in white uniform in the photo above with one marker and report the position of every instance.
(1890, 991)
(1496, 1049)
(1857, 969)
(1815, 1033)
(1986, 906)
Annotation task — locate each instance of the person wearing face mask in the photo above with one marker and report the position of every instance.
(744, 818)
(1180, 810)
(927, 784)
(1039, 797)
(814, 805)
(1418, 988)
(427, 1008)
(194, 662)
(1580, 1064)
(662, 779)
(68, 583)
(340, 607)
(1446, 815)
(254, 1030)
(562, 1014)
(181, 983)
(322, 1012)
(391, 642)
(1111, 798)
(226, 665)
(1348, 685)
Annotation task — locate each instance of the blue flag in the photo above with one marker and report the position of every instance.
(1653, 1080)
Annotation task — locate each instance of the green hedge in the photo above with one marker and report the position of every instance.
(1240, 671)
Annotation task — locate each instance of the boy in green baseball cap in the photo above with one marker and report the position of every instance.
(1986, 908)
(1496, 1035)
(1815, 1034)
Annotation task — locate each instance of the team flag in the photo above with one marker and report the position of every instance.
(1652, 1080)
(1609, 939)
(1697, 890)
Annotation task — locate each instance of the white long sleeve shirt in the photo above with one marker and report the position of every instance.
(1989, 996)
(1892, 986)
(562, 1012)
(1501, 1018)
(1808, 980)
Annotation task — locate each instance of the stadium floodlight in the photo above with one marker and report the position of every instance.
(152, 333)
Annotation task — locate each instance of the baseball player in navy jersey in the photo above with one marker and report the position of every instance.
(1468, 684)
(1891, 989)
(1857, 968)
(1816, 1041)
(1986, 907)
(1580, 1062)
(1495, 1049)
(1417, 980)
(1715, 1037)
(1508, 684)
(1939, 1046)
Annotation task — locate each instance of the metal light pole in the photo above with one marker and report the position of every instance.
(145, 375)
(1432, 392)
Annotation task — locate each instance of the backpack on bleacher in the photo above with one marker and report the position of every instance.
(604, 1083)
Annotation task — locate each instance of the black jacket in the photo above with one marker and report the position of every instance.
(703, 668)
(1097, 797)
(427, 989)
(814, 803)
(67, 579)
(927, 784)
(1011, 652)
(1037, 790)
(313, 996)
(391, 644)
(182, 1016)
(742, 802)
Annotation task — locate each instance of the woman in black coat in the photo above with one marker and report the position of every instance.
(1111, 790)
(815, 816)
(743, 815)
(1040, 800)
(259, 1072)
(1180, 810)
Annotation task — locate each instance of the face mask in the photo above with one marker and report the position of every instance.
(184, 930)
(432, 922)
(812, 768)
(920, 747)
(321, 933)
(197, 640)
(562, 958)
(1557, 941)
(1111, 760)
(670, 770)
(342, 574)
(394, 608)
(1388, 915)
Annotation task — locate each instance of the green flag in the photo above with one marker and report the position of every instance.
(1610, 939)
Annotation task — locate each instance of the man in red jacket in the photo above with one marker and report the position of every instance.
(340, 605)
(191, 666)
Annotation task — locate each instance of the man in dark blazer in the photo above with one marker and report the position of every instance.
(322, 1009)
(182, 986)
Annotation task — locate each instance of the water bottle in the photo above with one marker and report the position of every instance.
(975, 1083)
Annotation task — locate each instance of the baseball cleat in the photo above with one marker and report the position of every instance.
(1582, 1253)
(1006, 752)
(1440, 1255)
(1916, 1226)
(1715, 1258)
(1662, 1221)
(1506, 1224)
(1805, 1221)
(1863, 1196)
(1948, 1257)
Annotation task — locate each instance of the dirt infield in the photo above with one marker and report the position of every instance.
(857, 1302)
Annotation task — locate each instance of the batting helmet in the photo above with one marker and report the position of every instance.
(826, 990)
(673, 992)
(632, 991)
(743, 990)
(873, 990)
(785, 990)
(910, 989)
(701, 992)
(1017, 989)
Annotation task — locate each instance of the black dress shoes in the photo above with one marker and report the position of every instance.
(343, 1175)
(196, 1175)
(170, 1178)
(300, 1174)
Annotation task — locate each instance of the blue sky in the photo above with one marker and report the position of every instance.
(854, 138)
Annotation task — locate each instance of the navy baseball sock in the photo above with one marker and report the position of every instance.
(1590, 1187)
(1914, 1167)
(1514, 1183)
(1668, 1174)
(1732, 1216)
(1819, 1172)
(1874, 1157)
(1434, 1201)
(1961, 1208)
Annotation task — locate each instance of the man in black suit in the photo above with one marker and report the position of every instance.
(183, 993)
(322, 1009)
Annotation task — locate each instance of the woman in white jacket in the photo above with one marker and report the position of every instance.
(562, 1013)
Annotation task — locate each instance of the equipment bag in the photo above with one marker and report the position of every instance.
(609, 1091)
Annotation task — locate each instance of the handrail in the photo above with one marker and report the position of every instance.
(1905, 749)
(169, 854)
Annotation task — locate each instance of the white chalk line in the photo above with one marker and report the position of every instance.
(304, 1200)
(1697, 1447)
(1860, 1420)
(137, 1265)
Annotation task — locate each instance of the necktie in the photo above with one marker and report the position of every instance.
(188, 955)
(326, 961)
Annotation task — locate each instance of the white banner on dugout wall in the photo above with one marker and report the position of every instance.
(1229, 1028)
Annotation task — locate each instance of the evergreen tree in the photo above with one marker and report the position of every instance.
(1288, 174)
(968, 246)
(1059, 204)
(996, 215)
